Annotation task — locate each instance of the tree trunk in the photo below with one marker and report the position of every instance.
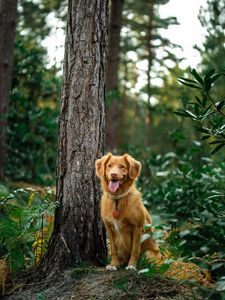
(150, 57)
(78, 232)
(8, 11)
(113, 107)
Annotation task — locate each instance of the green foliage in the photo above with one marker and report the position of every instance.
(192, 198)
(32, 121)
(23, 214)
(151, 268)
(187, 192)
(212, 20)
(205, 110)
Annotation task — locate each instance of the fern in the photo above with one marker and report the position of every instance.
(25, 213)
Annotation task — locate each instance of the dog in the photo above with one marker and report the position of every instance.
(122, 211)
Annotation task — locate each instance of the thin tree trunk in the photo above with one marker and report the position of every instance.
(78, 232)
(113, 107)
(8, 12)
(150, 57)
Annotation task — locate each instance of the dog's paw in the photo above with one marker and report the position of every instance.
(130, 267)
(111, 268)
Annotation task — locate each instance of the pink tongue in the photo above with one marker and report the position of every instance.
(114, 185)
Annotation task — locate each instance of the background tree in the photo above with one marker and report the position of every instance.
(8, 10)
(78, 233)
(145, 51)
(112, 74)
(32, 129)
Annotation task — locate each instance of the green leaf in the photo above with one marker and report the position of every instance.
(204, 101)
(207, 80)
(145, 237)
(199, 100)
(143, 271)
(217, 265)
(163, 268)
(209, 74)
(180, 113)
(184, 233)
(220, 104)
(190, 85)
(215, 77)
(215, 142)
(202, 129)
(147, 226)
(205, 137)
(196, 75)
(206, 112)
(217, 148)
(190, 114)
(196, 109)
(220, 286)
(188, 80)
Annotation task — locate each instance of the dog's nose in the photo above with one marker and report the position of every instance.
(113, 175)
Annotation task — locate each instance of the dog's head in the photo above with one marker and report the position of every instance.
(115, 171)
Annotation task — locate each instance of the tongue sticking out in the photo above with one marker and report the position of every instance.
(114, 185)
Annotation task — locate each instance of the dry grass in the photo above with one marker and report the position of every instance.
(97, 283)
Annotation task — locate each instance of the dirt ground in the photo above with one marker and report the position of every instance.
(98, 283)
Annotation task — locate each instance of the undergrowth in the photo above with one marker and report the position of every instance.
(25, 227)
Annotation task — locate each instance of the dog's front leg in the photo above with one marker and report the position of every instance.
(136, 247)
(114, 260)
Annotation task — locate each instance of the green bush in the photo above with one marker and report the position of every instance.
(24, 213)
(187, 191)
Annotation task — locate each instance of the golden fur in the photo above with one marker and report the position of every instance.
(118, 175)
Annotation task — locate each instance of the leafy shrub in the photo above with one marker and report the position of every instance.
(187, 191)
(205, 110)
(24, 214)
(184, 194)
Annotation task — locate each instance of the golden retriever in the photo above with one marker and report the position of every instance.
(123, 212)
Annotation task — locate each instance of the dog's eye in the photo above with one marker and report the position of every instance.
(109, 166)
(122, 167)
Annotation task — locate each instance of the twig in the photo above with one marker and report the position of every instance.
(213, 102)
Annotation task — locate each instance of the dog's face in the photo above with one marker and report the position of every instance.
(116, 170)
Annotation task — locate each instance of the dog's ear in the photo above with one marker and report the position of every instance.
(100, 164)
(133, 165)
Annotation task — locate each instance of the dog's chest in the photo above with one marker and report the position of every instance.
(116, 225)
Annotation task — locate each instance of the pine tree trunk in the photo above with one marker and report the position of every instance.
(78, 232)
(112, 108)
(8, 11)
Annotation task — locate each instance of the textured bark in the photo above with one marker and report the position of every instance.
(8, 9)
(78, 232)
(112, 109)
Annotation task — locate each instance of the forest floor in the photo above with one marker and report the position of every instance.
(98, 283)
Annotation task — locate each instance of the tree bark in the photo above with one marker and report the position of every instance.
(78, 232)
(8, 12)
(113, 107)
